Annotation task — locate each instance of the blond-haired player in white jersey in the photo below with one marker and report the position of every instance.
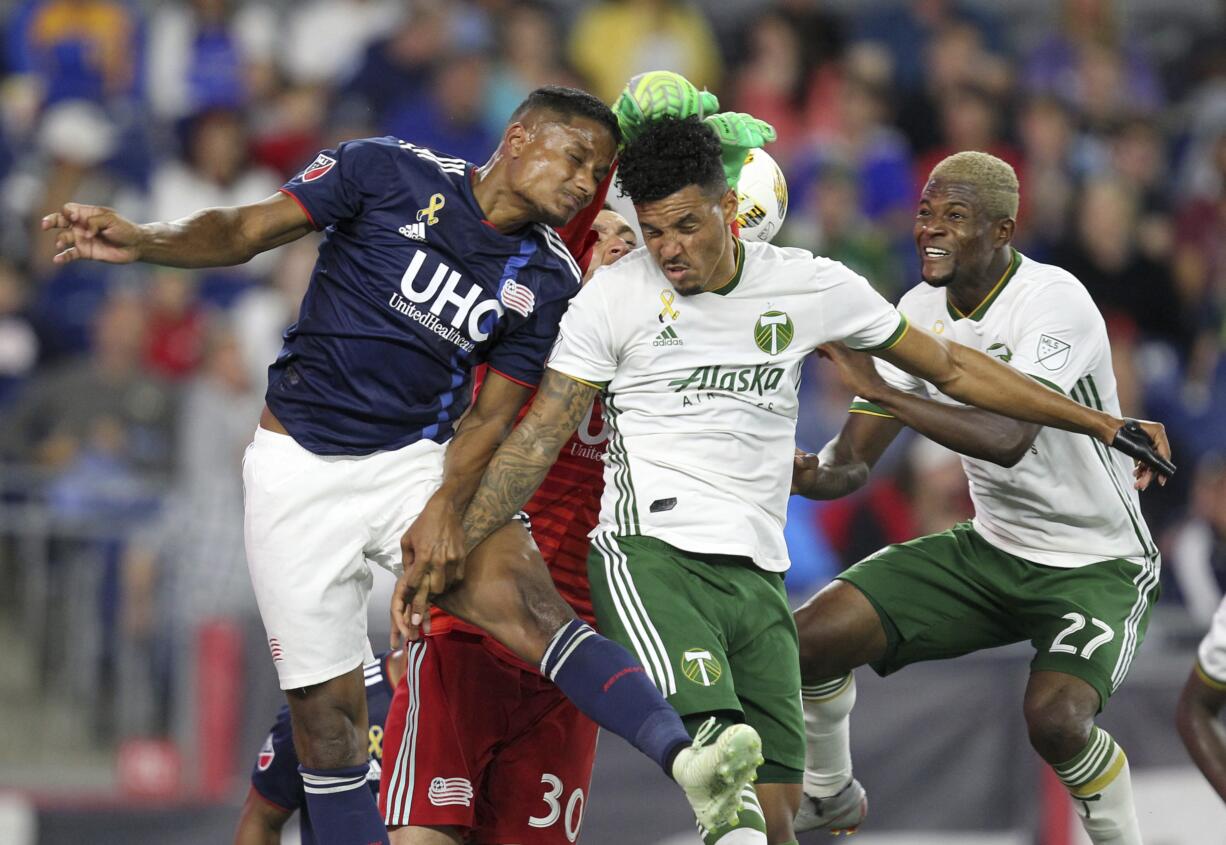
(696, 343)
(1198, 716)
(1057, 553)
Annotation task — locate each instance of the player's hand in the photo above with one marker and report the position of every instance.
(93, 232)
(656, 94)
(1146, 442)
(738, 133)
(805, 469)
(432, 551)
(856, 369)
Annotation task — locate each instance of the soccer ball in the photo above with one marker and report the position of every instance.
(762, 197)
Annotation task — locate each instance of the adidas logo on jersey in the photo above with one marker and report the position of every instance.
(413, 231)
(668, 337)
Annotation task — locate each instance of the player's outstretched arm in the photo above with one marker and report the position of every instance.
(1201, 729)
(843, 465)
(966, 430)
(432, 549)
(212, 237)
(521, 463)
(978, 379)
(260, 822)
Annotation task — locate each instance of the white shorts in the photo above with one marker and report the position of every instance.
(313, 524)
(1212, 652)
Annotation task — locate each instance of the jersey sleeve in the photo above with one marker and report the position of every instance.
(1060, 336)
(520, 355)
(275, 774)
(1211, 654)
(339, 183)
(855, 313)
(586, 349)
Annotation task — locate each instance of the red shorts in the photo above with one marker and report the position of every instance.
(475, 743)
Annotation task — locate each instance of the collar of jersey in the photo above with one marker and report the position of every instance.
(993, 294)
(740, 266)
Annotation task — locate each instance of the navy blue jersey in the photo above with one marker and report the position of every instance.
(275, 775)
(411, 290)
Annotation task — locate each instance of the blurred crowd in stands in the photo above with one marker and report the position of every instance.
(127, 394)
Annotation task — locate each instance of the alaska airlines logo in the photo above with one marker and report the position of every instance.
(760, 379)
(429, 214)
(463, 318)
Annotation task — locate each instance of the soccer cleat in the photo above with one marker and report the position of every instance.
(714, 775)
(839, 813)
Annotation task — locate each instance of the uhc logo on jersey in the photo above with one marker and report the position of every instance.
(267, 754)
(519, 298)
(447, 304)
(318, 168)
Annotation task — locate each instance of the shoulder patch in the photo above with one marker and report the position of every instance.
(318, 168)
(1052, 352)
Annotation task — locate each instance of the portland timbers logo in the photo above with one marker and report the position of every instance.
(701, 667)
(773, 332)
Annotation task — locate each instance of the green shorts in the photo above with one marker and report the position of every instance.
(953, 593)
(713, 631)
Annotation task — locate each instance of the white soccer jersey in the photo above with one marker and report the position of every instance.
(700, 391)
(1211, 656)
(1069, 501)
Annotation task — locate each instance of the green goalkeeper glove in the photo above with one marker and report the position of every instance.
(738, 133)
(659, 93)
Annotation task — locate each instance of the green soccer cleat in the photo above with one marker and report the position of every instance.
(839, 813)
(714, 775)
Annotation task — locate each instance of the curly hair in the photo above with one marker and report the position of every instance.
(669, 155)
(568, 103)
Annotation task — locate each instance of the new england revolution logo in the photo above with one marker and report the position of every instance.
(518, 298)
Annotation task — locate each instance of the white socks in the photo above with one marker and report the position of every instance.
(827, 707)
(1099, 781)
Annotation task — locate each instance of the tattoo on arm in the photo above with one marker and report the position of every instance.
(521, 462)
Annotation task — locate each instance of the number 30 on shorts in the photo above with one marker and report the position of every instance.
(1076, 622)
(573, 816)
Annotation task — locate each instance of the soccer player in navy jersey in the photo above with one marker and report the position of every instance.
(368, 449)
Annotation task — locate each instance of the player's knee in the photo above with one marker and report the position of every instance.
(545, 611)
(1058, 726)
(836, 633)
(326, 737)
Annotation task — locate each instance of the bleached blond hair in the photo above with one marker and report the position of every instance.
(993, 180)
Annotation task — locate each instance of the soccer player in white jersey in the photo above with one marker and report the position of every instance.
(1057, 552)
(696, 344)
(1198, 716)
